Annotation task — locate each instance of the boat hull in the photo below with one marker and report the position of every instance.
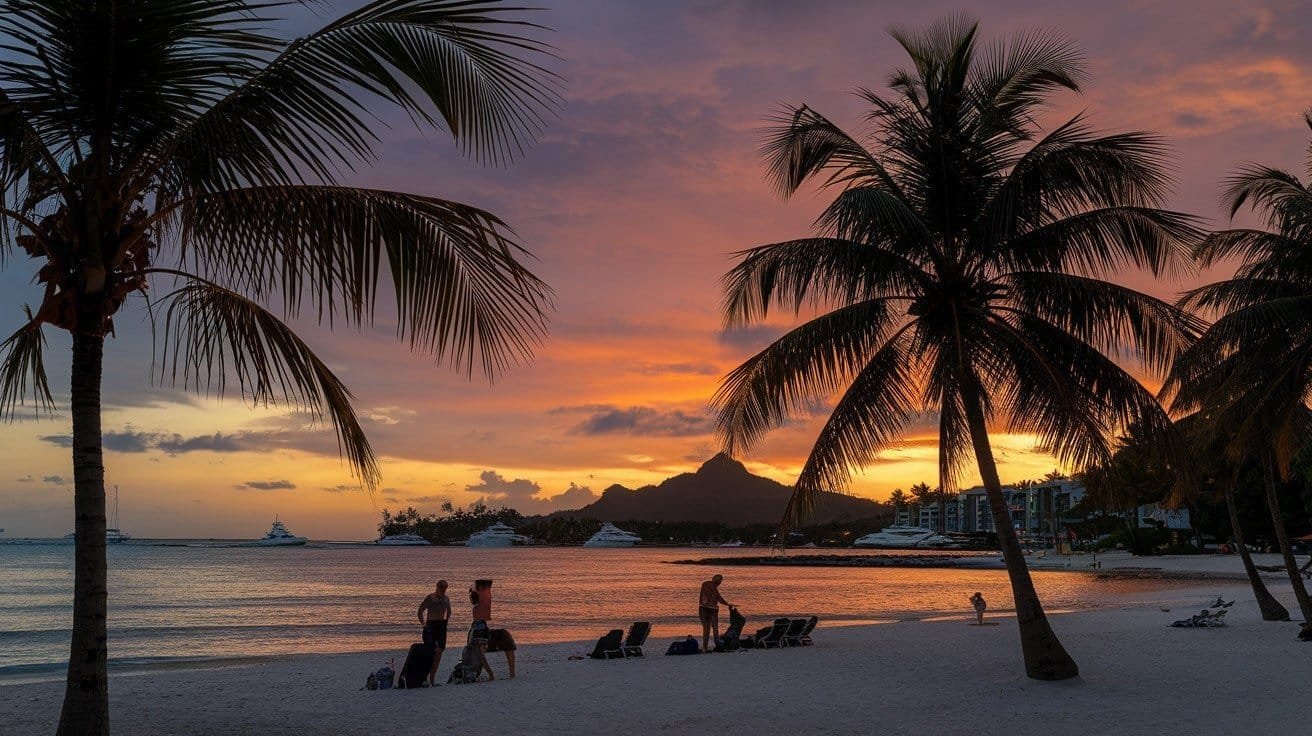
(612, 543)
(292, 542)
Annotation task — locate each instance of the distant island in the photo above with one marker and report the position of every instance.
(721, 491)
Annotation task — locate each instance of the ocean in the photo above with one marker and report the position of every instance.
(179, 602)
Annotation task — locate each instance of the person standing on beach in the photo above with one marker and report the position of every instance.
(434, 615)
(708, 610)
(480, 598)
(977, 601)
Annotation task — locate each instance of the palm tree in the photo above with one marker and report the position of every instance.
(145, 143)
(957, 271)
(1252, 370)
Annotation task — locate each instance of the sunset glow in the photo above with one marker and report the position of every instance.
(633, 203)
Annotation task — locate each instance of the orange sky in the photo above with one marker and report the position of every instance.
(632, 202)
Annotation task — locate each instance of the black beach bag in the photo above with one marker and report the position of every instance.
(683, 646)
(417, 664)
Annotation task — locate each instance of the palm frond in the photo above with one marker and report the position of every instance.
(461, 292)
(801, 143)
(1114, 319)
(470, 64)
(211, 335)
(1263, 187)
(1070, 395)
(23, 371)
(1016, 76)
(868, 418)
(809, 364)
(1101, 242)
(812, 270)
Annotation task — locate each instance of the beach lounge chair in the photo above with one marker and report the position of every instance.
(801, 636)
(792, 633)
(637, 637)
(772, 636)
(610, 646)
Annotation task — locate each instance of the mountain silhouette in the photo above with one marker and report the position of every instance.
(721, 490)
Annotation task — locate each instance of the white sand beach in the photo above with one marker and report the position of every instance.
(912, 677)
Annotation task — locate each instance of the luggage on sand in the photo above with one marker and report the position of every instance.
(468, 668)
(684, 646)
(417, 664)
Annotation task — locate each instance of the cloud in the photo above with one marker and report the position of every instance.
(344, 488)
(525, 496)
(268, 485)
(573, 497)
(430, 499)
(54, 479)
(63, 440)
(25, 479)
(217, 442)
(131, 441)
(750, 339)
(389, 415)
(644, 421)
(687, 369)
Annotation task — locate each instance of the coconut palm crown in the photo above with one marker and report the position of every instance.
(959, 273)
(173, 148)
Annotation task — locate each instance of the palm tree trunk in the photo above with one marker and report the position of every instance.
(1045, 657)
(1282, 539)
(86, 693)
(1272, 609)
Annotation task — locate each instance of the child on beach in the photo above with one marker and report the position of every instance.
(977, 601)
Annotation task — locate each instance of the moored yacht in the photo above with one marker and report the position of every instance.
(612, 536)
(905, 537)
(113, 534)
(497, 535)
(277, 536)
(403, 540)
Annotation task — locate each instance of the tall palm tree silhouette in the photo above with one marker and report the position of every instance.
(960, 265)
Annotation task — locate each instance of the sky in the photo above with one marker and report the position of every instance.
(633, 202)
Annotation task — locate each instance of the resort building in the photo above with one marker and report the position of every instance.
(1036, 510)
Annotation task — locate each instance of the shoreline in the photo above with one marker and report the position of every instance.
(1107, 565)
(1132, 666)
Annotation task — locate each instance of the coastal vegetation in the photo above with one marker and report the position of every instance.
(959, 270)
(456, 524)
(174, 148)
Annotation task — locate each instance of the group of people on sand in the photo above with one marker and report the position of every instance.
(435, 616)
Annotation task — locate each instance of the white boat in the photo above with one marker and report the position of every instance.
(906, 537)
(612, 536)
(497, 535)
(403, 540)
(277, 536)
(113, 535)
(734, 543)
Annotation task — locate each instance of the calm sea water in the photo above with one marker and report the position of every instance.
(186, 602)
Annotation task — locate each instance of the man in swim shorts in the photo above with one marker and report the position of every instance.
(435, 614)
(708, 610)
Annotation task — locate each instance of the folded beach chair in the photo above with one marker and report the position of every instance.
(732, 638)
(772, 636)
(796, 635)
(638, 634)
(610, 646)
(806, 633)
(794, 630)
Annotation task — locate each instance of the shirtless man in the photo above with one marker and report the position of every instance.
(708, 610)
(435, 614)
